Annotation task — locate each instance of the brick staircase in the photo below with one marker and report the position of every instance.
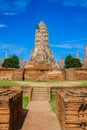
(41, 94)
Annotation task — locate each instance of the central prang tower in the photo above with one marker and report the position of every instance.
(41, 51)
(41, 56)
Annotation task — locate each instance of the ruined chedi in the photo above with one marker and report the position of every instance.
(77, 55)
(84, 62)
(41, 56)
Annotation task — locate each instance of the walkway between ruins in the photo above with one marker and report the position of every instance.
(47, 84)
(40, 117)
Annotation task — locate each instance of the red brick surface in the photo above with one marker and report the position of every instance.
(75, 74)
(72, 109)
(11, 74)
(10, 108)
(43, 75)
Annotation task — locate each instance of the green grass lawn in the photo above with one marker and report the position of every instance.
(53, 102)
(83, 83)
(8, 83)
(25, 102)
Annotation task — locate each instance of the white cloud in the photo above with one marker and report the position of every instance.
(68, 46)
(80, 3)
(81, 18)
(13, 49)
(9, 14)
(3, 26)
(77, 44)
(15, 6)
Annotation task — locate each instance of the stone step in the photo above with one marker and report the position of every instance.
(41, 89)
(40, 99)
(40, 93)
(40, 96)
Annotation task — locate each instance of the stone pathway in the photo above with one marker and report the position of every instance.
(47, 84)
(40, 117)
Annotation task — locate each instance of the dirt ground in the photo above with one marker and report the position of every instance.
(57, 84)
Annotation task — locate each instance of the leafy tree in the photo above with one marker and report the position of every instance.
(68, 61)
(71, 62)
(12, 62)
(76, 63)
(7, 63)
(15, 61)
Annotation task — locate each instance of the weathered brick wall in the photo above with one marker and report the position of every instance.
(18, 74)
(43, 75)
(76, 74)
(72, 108)
(11, 74)
(27, 90)
(81, 74)
(6, 74)
(55, 75)
(27, 74)
(10, 108)
(70, 74)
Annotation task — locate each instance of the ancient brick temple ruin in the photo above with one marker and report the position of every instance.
(41, 56)
(72, 108)
(42, 64)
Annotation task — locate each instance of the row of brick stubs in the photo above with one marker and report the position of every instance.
(10, 108)
(71, 109)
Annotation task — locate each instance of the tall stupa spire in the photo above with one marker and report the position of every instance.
(86, 51)
(41, 51)
(41, 36)
(84, 63)
(77, 55)
(41, 56)
(6, 54)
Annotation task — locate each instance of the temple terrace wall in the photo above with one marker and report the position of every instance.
(43, 75)
(11, 74)
(75, 74)
(28, 74)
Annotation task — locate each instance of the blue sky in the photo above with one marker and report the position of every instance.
(66, 21)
